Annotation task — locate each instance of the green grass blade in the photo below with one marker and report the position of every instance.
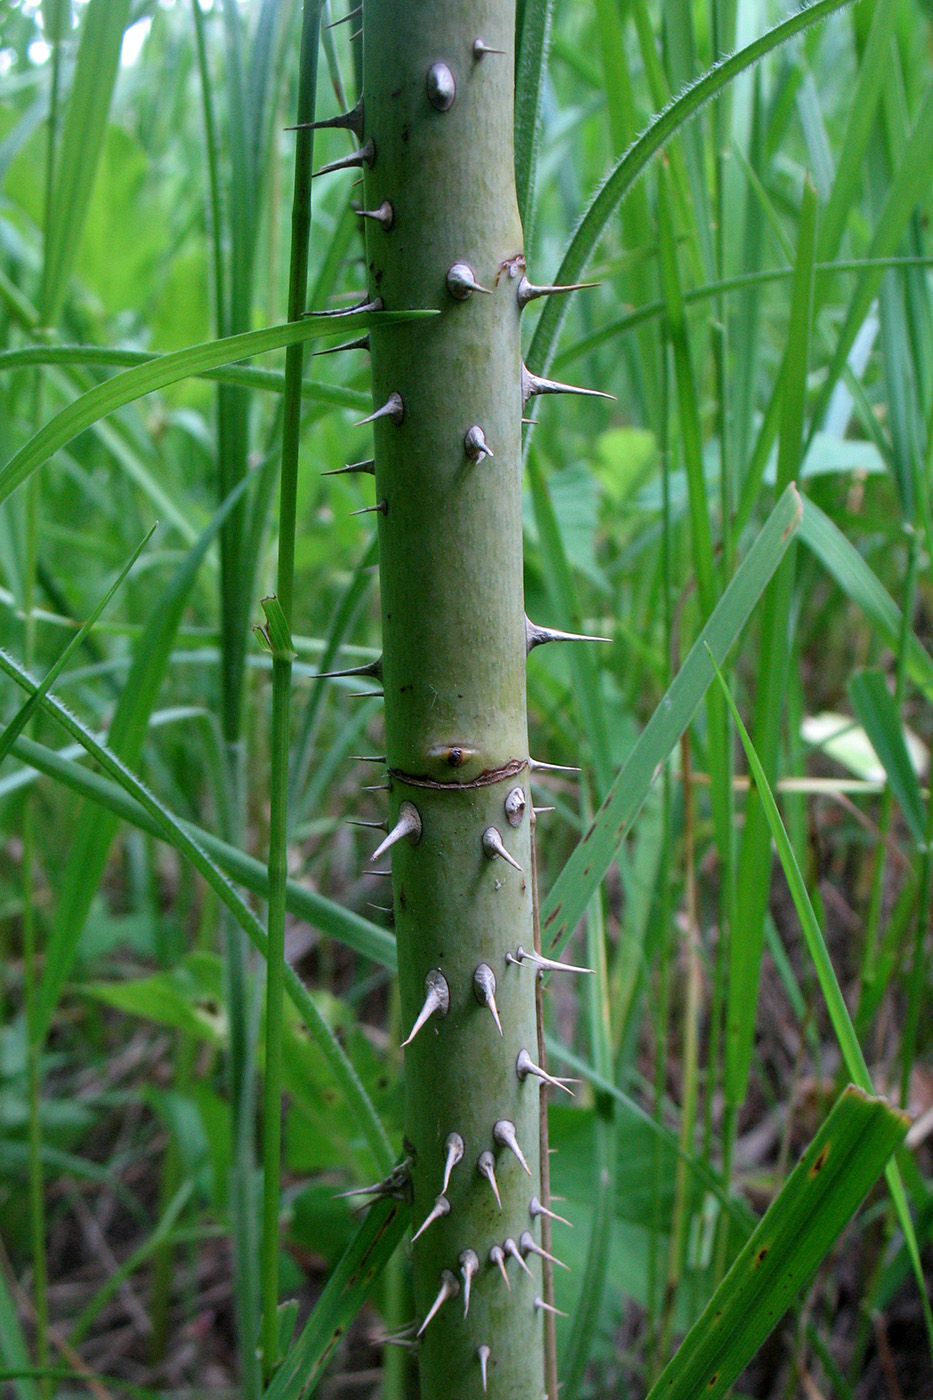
(875, 708)
(22, 717)
(346, 1292)
(82, 137)
(169, 369)
(530, 70)
(783, 1254)
(14, 1354)
(631, 165)
(566, 903)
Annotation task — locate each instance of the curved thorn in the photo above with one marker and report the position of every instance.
(533, 384)
(408, 827)
(361, 343)
(527, 291)
(539, 1303)
(449, 1289)
(484, 989)
(436, 1001)
(486, 1166)
(344, 121)
(454, 1145)
(484, 1354)
(493, 846)
(364, 156)
(441, 1208)
(384, 215)
(372, 668)
(393, 408)
(527, 1245)
(548, 964)
(354, 468)
(536, 636)
(536, 1208)
(497, 1257)
(381, 506)
(462, 283)
(512, 1249)
(524, 1065)
(474, 442)
(469, 1268)
(504, 1133)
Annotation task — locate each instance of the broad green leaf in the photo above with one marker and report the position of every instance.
(874, 705)
(781, 1257)
(566, 903)
(168, 369)
(346, 1291)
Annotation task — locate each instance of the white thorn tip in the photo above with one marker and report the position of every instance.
(540, 1303)
(527, 1245)
(436, 1002)
(486, 1166)
(384, 215)
(497, 1257)
(533, 384)
(536, 1208)
(527, 291)
(393, 408)
(462, 283)
(474, 442)
(484, 989)
(441, 1208)
(408, 827)
(512, 1249)
(536, 636)
(493, 846)
(548, 964)
(449, 1289)
(504, 1133)
(469, 1268)
(454, 1146)
(524, 1066)
(480, 50)
(484, 1354)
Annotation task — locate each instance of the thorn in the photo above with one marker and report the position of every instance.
(536, 1208)
(364, 156)
(486, 1166)
(469, 1268)
(537, 810)
(461, 283)
(355, 468)
(547, 964)
(372, 668)
(449, 1289)
(380, 874)
(454, 1145)
(475, 443)
(479, 51)
(441, 87)
(344, 121)
(484, 989)
(504, 1133)
(384, 215)
(515, 806)
(527, 291)
(533, 384)
(538, 636)
(492, 847)
(382, 909)
(377, 304)
(483, 1353)
(393, 408)
(528, 1246)
(512, 1249)
(497, 1257)
(381, 787)
(368, 757)
(361, 343)
(441, 1208)
(395, 1184)
(376, 826)
(436, 1000)
(511, 958)
(537, 767)
(357, 34)
(381, 506)
(351, 14)
(408, 826)
(524, 1066)
(539, 1303)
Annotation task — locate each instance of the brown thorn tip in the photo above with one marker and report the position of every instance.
(535, 1208)
(527, 291)
(536, 636)
(504, 1133)
(441, 1208)
(533, 384)
(364, 156)
(484, 1354)
(382, 507)
(540, 1303)
(454, 1145)
(497, 1257)
(527, 1245)
(408, 827)
(493, 846)
(449, 1288)
(393, 408)
(384, 215)
(525, 1065)
(437, 1000)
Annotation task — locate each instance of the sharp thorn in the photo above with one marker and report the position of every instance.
(475, 444)
(504, 1133)
(462, 283)
(483, 1353)
(536, 1208)
(537, 767)
(449, 1289)
(454, 1145)
(361, 343)
(407, 827)
(351, 14)
(368, 757)
(381, 908)
(538, 636)
(377, 304)
(528, 1246)
(365, 695)
(493, 846)
(479, 51)
(364, 156)
(395, 1184)
(512, 1249)
(533, 384)
(354, 469)
(540, 1303)
(441, 1208)
(497, 1257)
(357, 34)
(527, 291)
(379, 874)
(486, 1166)
(484, 989)
(469, 1268)
(344, 121)
(372, 668)
(436, 1001)
(539, 810)
(393, 408)
(384, 215)
(381, 506)
(375, 826)
(379, 787)
(547, 964)
(524, 1065)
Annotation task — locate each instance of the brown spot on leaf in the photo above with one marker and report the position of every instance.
(820, 1162)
